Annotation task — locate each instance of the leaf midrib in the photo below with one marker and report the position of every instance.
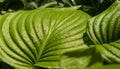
(46, 40)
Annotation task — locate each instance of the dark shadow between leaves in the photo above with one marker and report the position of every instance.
(87, 39)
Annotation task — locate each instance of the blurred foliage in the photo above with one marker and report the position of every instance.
(14, 5)
(93, 7)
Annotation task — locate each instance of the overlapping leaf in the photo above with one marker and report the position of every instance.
(81, 58)
(113, 66)
(39, 37)
(104, 30)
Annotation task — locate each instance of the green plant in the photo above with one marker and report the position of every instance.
(61, 38)
(104, 32)
(15, 5)
(92, 7)
(38, 37)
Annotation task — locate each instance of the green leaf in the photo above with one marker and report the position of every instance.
(112, 66)
(39, 37)
(104, 31)
(81, 58)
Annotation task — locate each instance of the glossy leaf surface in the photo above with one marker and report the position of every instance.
(39, 37)
(104, 31)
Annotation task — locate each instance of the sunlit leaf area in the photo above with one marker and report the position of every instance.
(59, 34)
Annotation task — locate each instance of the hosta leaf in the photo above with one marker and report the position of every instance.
(114, 66)
(39, 37)
(104, 30)
(81, 58)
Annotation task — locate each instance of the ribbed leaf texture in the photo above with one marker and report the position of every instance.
(104, 31)
(112, 66)
(39, 37)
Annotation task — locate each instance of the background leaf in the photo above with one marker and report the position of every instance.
(93, 7)
(2, 1)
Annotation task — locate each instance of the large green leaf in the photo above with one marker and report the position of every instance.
(39, 37)
(104, 30)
